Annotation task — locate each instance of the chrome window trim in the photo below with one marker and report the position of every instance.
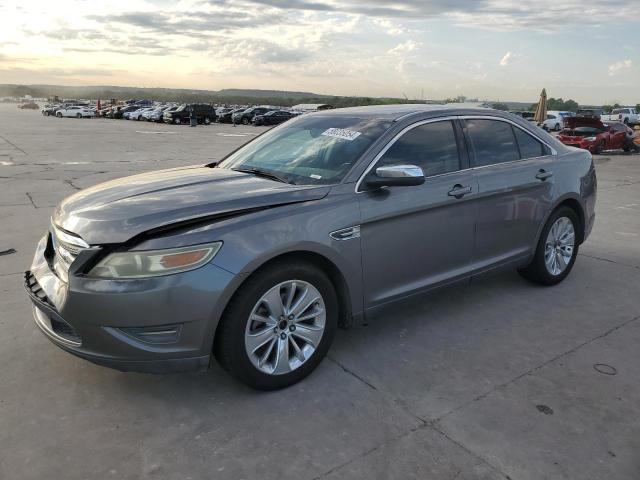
(489, 117)
(554, 152)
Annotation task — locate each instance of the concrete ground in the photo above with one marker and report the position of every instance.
(496, 380)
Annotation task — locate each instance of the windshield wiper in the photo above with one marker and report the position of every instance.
(262, 173)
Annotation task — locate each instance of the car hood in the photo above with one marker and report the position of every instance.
(116, 211)
(574, 122)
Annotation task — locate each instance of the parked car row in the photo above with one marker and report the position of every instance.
(176, 114)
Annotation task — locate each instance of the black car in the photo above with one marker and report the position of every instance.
(204, 114)
(273, 117)
(245, 117)
(227, 117)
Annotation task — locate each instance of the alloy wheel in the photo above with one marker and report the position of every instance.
(559, 246)
(285, 327)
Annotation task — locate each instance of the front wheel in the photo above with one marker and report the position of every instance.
(278, 327)
(245, 121)
(207, 120)
(177, 121)
(556, 251)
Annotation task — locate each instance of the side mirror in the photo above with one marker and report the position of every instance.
(395, 176)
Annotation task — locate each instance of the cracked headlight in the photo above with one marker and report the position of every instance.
(153, 263)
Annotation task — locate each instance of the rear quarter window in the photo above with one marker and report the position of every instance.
(529, 146)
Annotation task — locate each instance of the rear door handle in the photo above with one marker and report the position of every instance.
(543, 175)
(459, 191)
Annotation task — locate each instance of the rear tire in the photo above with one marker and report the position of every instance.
(245, 121)
(79, 115)
(207, 121)
(539, 270)
(230, 347)
(177, 121)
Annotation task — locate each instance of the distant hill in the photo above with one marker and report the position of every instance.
(266, 93)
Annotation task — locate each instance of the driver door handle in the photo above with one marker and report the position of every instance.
(543, 175)
(459, 191)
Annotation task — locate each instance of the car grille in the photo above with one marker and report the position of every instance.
(58, 326)
(66, 247)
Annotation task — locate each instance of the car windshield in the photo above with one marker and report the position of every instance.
(309, 150)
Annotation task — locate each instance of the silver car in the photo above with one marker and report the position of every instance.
(255, 261)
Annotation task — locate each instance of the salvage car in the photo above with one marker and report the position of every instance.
(245, 117)
(50, 110)
(274, 117)
(594, 135)
(29, 106)
(202, 112)
(77, 111)
(256, 260)
(227, 117)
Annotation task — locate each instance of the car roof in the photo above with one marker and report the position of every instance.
(397, 111)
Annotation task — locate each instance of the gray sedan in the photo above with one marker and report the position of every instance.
(255, 261)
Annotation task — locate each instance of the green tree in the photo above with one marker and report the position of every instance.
(500, 106)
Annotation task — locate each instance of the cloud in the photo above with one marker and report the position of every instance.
(404, 48)
(618, 67)
(506, 60)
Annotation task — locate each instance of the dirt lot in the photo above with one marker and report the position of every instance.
(494, 380)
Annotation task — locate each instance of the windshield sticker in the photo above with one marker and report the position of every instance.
(341, 133)
(316, 177)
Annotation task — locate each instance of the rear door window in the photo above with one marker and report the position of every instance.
(431, 146)
(491, 141)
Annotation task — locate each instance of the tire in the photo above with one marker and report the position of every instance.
(79, 115)
(538, 271)
(207, 121)
(245, 121)
(599, 148)
(177, 121)
(230, 347)
(557, 127)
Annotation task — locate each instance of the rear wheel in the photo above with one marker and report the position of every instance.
(177, 121)
(79, 115)
(278, 327)
(557, 127)
(207, 120)
(245, 121)
(556, 250)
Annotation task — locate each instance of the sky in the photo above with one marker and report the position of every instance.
(508, 50)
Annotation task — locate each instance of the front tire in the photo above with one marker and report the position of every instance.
(177, 121)
(245, 121)
(279, 326)
(557, 249)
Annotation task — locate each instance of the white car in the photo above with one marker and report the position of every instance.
(77, 111)
(555, 120)
(137, 114)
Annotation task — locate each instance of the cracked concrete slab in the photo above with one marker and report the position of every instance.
(567, 420)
